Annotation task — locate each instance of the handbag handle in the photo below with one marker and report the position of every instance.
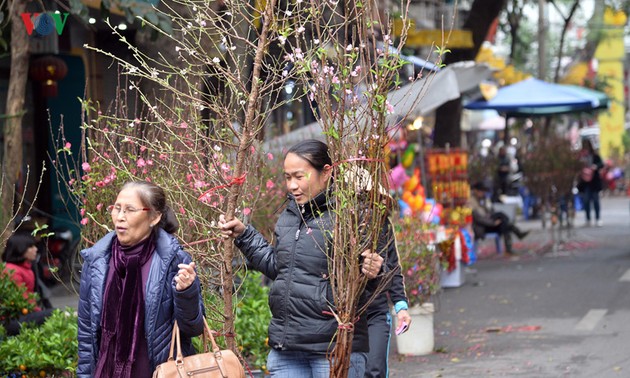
(176, 340)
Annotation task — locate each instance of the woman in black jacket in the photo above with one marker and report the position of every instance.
(302, 329)
(590, 181)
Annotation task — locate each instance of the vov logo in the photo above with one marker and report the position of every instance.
(44, 23)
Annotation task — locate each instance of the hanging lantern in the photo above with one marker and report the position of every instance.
(48, 70)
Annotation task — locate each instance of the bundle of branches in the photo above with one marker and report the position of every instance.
(550, 169)
(345, 59)
(187, 118)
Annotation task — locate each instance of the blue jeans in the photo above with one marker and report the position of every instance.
(288, 364)
(590, 195)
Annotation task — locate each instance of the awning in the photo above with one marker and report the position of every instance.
(534, 97)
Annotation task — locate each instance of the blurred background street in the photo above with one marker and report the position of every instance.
(541, 313)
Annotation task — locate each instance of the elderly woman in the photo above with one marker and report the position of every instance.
(135, 283)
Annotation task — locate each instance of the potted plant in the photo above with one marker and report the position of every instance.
(421, 267)
(48, 350)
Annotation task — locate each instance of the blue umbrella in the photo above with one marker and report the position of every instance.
(533, 97)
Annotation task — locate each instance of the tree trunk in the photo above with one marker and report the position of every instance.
(12, 159)
(448, 116)
(565, 28)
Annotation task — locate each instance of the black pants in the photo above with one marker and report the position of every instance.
(37, 318)
(379, 330)
(504, 227)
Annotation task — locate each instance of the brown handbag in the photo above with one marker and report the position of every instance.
(210, 364)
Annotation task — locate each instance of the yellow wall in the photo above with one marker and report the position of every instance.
(610, 54)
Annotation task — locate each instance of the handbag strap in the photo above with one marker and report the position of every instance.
(215, 347)
(179, 358)
(175, 340)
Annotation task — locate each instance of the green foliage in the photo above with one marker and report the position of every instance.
(252, 317)
(252, 320)
(51, 348)
(14, 301)
(419, 259)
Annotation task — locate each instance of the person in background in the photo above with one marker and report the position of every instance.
(486, 221)
(503, 171)
(379, 315)
(19, 255)
(135, 282)
(589, 181)
(302, 330)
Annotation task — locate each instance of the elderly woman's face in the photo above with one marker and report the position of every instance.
(132, 220)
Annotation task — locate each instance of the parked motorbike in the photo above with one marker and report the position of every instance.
(59, 255)
(57, 249)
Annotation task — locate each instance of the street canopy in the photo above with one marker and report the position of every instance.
(533, 97)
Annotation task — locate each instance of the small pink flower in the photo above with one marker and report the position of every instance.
(269, 156)
(270, 184)
(67, 146)
(141, 163)
(84, 221)
(390, 107)
(182, 210)
(247, 211)
(82, 211)
(86, 167)
(200, 184)
(71, 182)
(99, 206)
(143, 148)
(183, 125)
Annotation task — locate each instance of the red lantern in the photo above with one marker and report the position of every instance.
(48, 70)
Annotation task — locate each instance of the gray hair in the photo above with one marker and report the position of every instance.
(154, 197)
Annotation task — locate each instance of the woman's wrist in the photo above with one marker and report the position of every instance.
(400, 305)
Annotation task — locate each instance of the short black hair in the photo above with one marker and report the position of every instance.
(479, 185)
(314, 151)
(16, 247)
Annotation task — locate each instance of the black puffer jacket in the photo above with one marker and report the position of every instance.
(301, 294)
(391, 279)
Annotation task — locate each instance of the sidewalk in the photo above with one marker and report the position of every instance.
(545, 312)
(615, 212)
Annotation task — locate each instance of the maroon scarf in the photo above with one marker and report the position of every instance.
(122, 320)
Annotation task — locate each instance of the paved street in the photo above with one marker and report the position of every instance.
(544, 313)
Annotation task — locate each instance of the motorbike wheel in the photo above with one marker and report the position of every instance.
(76, 264)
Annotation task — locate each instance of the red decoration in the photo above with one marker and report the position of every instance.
(48, 70)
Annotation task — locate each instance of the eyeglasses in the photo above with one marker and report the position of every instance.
(116, 209)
